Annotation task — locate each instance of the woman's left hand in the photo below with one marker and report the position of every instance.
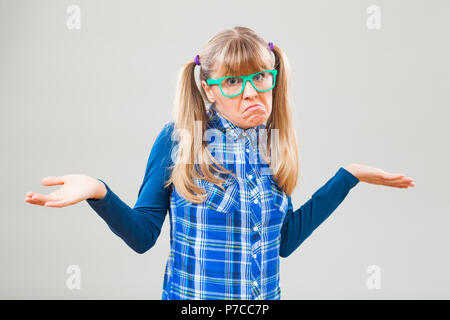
(377, 176)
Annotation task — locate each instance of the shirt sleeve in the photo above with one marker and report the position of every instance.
(139, 227)
(299, 224)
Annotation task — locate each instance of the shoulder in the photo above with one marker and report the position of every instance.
(164, 144)
(164, 137)
(167, 130)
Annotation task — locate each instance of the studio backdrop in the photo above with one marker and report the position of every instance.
(86, 87)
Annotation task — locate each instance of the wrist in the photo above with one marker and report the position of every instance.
(101, 190)
(352, 169)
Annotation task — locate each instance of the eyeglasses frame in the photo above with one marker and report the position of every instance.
(245, 79)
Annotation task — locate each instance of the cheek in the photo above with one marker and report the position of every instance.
(216, 93)
(268, 101)
(230, 106)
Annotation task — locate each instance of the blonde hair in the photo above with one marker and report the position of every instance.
(235, 51)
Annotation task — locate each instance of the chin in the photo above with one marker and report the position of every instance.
(256, 121)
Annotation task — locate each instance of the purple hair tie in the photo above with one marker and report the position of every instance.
(197, 62)
(271, 45)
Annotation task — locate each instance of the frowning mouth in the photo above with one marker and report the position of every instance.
(253, 107)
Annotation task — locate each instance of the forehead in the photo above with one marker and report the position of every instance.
(236, 74)
(224, 72)
(241, 64)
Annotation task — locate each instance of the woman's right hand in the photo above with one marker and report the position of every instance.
(75, 188)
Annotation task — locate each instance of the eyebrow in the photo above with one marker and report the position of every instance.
(233, 75)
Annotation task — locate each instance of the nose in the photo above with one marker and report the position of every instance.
(249, 91)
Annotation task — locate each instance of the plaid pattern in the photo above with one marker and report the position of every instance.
(228, 246)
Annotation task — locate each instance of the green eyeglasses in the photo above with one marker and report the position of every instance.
(232, 86)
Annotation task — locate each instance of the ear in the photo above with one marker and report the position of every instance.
(208, 90)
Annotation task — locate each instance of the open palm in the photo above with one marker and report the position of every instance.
(75, 188)
(377, 176)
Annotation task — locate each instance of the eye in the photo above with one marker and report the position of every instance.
(233, 80)
(259, 76)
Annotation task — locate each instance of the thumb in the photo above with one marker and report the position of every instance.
(50, 181)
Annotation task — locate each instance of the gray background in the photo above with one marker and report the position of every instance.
(93, 100)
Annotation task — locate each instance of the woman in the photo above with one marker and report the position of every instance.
(225, 171)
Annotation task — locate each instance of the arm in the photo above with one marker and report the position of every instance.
(298, 225)
(140, 227)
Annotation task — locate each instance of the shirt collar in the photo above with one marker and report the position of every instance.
(227, 127)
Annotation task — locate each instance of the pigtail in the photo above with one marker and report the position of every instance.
(286, 169)
(193, 158)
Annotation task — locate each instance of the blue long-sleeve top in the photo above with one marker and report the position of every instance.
(140, 226)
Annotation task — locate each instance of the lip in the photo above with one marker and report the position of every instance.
(253, 106)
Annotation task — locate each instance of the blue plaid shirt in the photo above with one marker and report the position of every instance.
(229, 246)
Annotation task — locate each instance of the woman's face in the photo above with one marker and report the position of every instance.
(236, 109)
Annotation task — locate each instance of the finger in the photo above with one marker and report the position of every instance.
(403, 180)
(397, 183)
(401, 184)
(41, 198)
(56, 204)
(393, 176)
(407, 181)
(50, 181)
(384, 180)
(31, 201)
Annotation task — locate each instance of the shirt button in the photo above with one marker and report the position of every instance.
(247, 150)
(255, 201)
(255, 283)
(254, 256)
(255, 228)
(250, 176)
(244, 134)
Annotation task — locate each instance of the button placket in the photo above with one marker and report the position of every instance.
(255, 249)
(253, 184)
(256, 287)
